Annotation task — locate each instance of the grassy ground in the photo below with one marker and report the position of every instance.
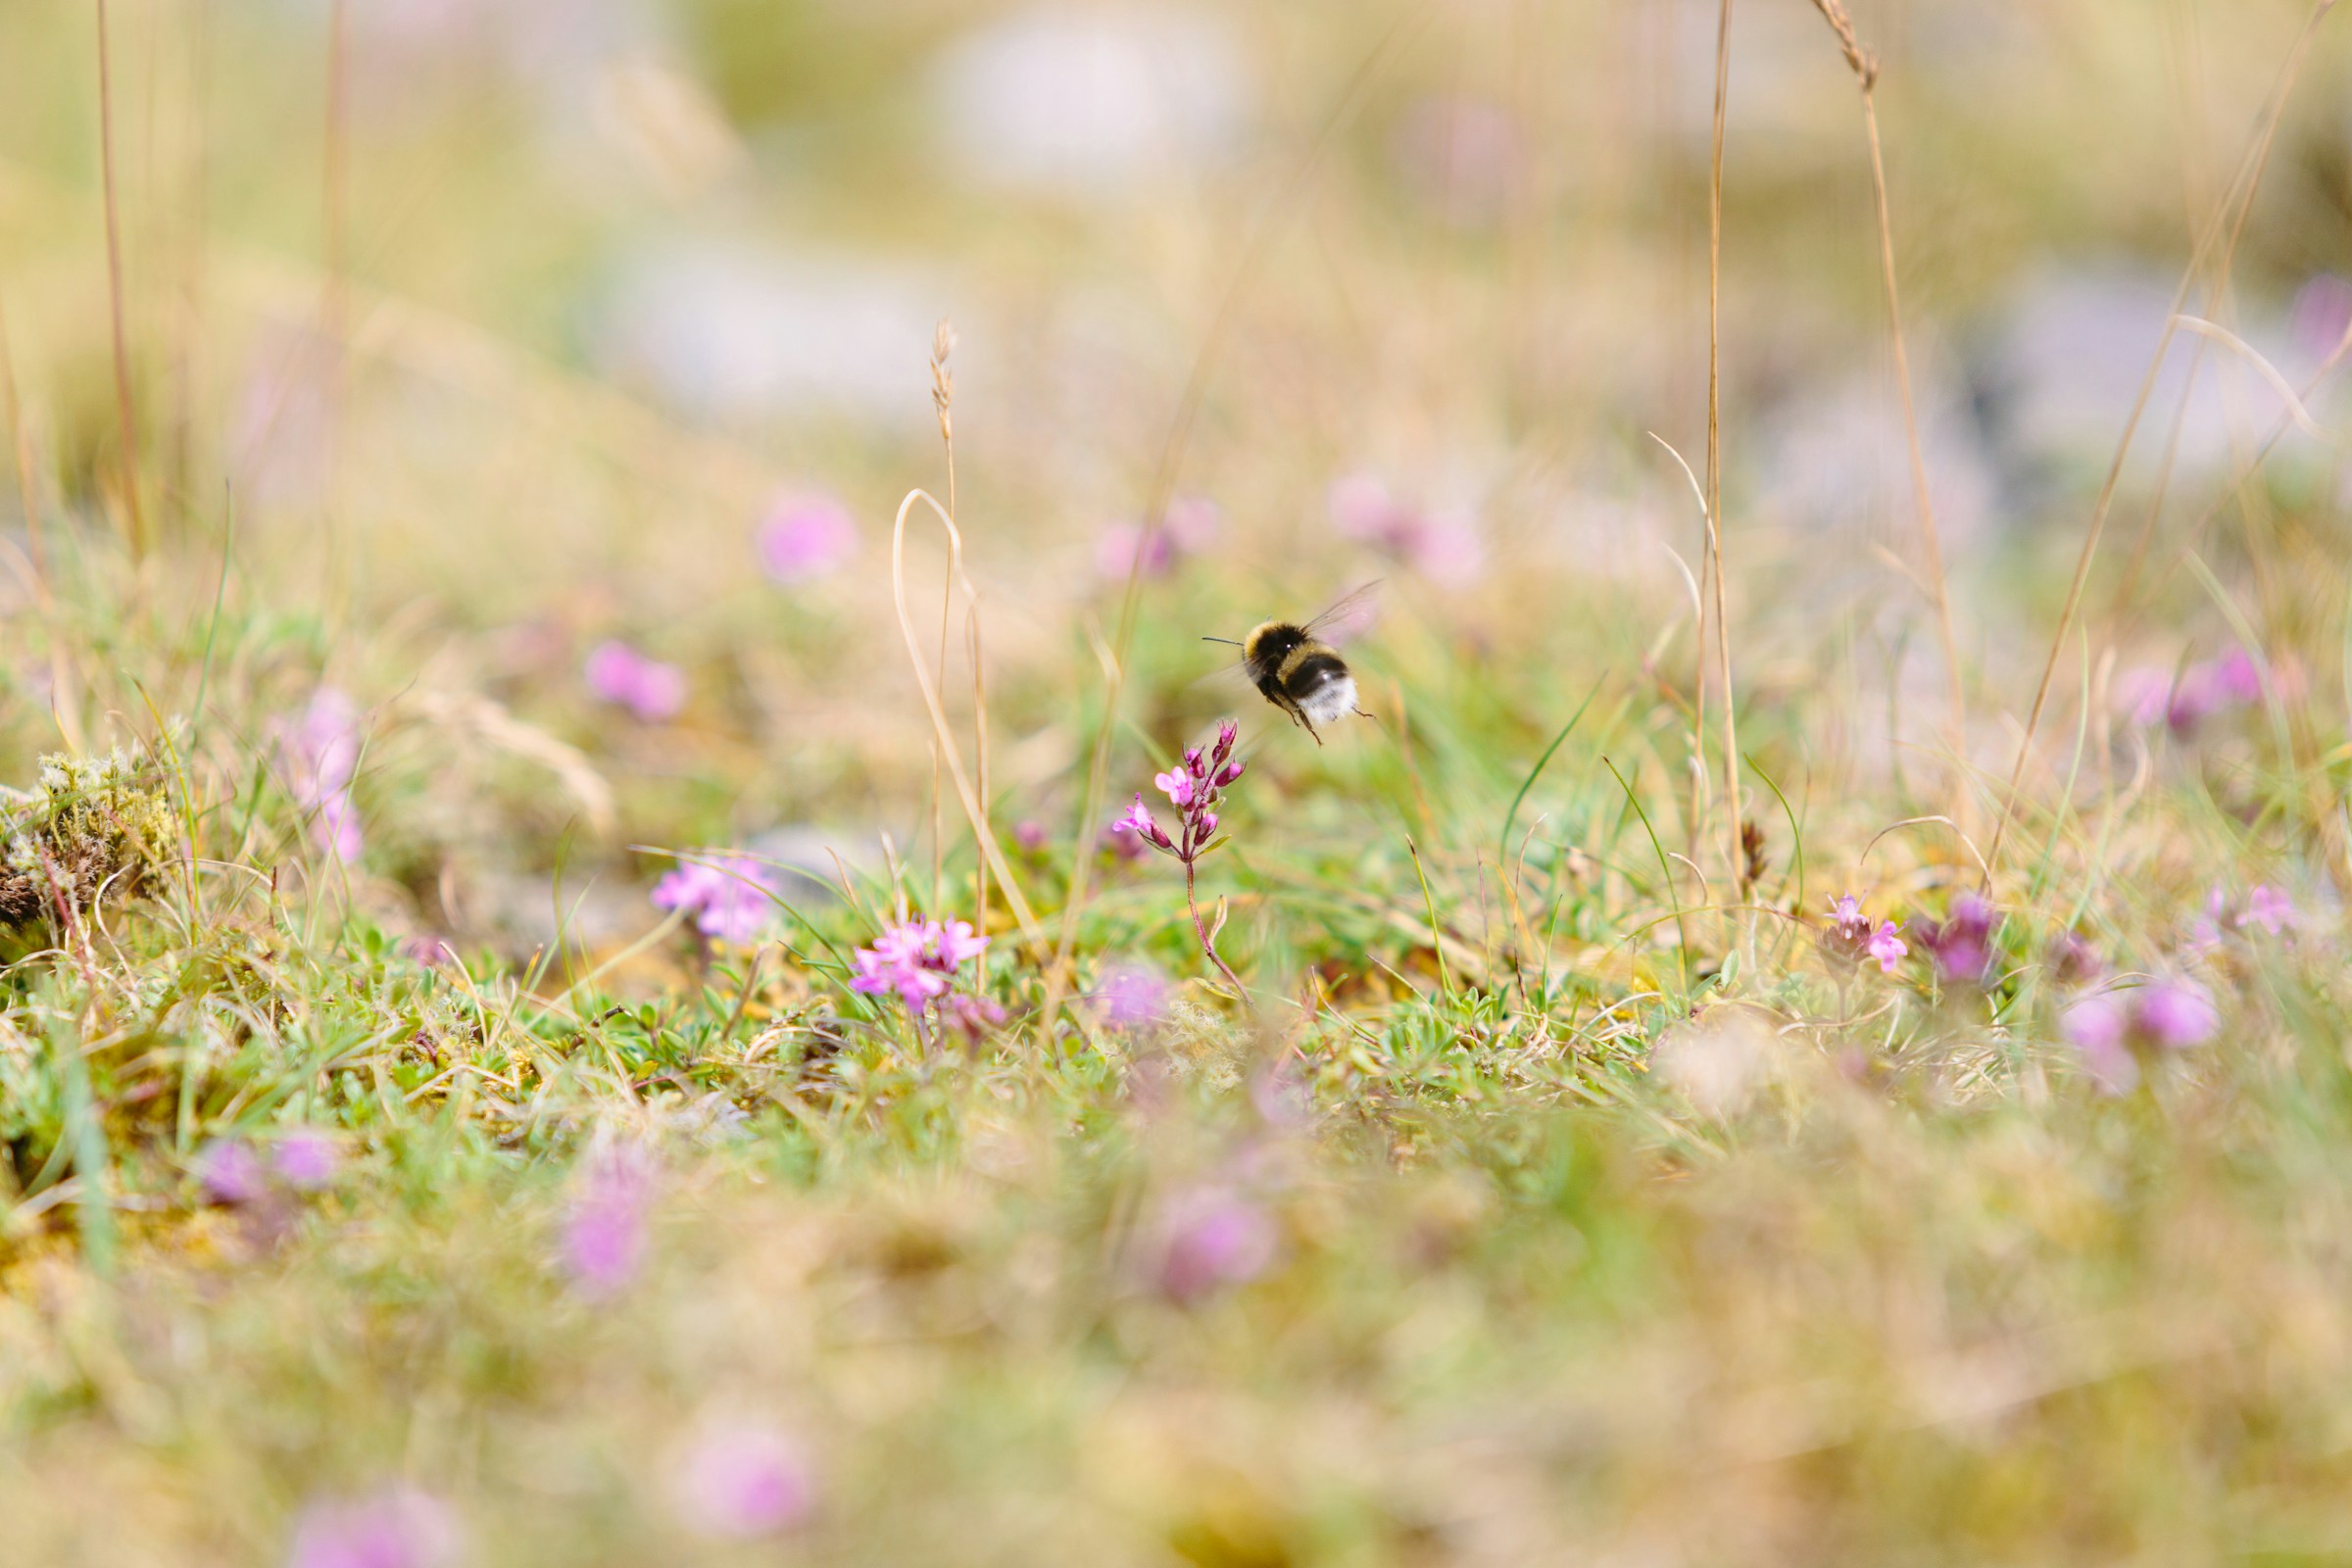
(389, 1180)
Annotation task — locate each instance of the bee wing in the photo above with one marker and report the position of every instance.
(1350, 618)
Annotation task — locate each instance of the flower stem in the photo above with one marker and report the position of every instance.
(1200, 929)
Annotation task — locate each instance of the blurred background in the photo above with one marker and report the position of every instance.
(545, 375)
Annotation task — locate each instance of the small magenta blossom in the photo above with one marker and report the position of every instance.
(1442, 546)
(2150, 696)
(741, 1481)
(319, 751)
(2270, 909)
(603, 1240)
(805, 537)
(1190, 525)
(648, 688)
(1132, 996)
(1212, 1238)
(917, 960)
(306, 1161)
(232, 1173)
(1961, 945)
(729, 896)
(2113, 1030)
(1196, 788)
(1849, 938)
(400, 1526)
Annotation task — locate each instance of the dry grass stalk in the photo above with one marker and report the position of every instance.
(1723, 637)
(2237, 202)
(124, 413)
(1865, 66)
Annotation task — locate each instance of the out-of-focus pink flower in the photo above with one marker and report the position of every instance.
(1442, 546)
(1122, 548)
(2174, 1014)
(2096, 1027)
(2270, 909)
(2142, 694)
(2148, 695)
(604, 1231)
(741, 1481)
(1190, 525)
(232, 1173)
(425, 948)
(1212, 1238)
(805, 537)
(1961, 945)
(1459, 157)
(2114, 1029)
(917, 960)
(2322, 316)
(399, 1527)
(319, 751)
(728, 895)
(627, 678)
(1132, 996)
(1029, 836)
(2073, 959)
(306, 1161)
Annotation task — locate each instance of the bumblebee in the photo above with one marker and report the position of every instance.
(1295, 669)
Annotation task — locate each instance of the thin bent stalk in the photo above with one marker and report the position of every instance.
(124, 414)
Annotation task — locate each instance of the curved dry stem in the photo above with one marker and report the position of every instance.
(975, 809)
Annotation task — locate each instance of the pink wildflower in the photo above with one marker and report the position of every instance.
(319, 754)
(1212, 1238)
(1961, 945)
(805, 537)
(399, 1527)
(2096, 1027)
(1849, 938)
(307, 1159)
(1443, 546)
(728, 895)
(1122, 549)
(646, 687)
(2270, 909)
(741, 1481)
(1132, 996)
(232, 1173)
(2114, 1029)
(917, 960)
(604, 1231)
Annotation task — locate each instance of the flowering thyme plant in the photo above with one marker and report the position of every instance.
(915, 960)
(1194, 788)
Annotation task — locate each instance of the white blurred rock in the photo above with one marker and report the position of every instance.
(731, 332)
(1089, 101)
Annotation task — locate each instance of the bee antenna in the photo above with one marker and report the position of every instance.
(1227, 641)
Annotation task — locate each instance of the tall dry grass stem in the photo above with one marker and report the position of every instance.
(1723, 636)
(126, 416)
(2237, 202)
(1865, 66)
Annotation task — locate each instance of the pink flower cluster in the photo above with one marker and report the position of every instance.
(648, 688)
(2267, 907)
(1849, 938)
(2113, 1030)
(917, 960)
(1189, 526)
(1961, 944)
(805, 537)
(1442, 546)
(2150, 696)
(729, 896)
(320, 753)
(1194, 788)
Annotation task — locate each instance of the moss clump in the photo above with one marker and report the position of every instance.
(95, 829)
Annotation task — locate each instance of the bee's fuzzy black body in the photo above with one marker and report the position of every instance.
(1300, 675)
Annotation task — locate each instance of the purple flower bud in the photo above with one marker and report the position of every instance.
(1207, 829)
(1228, 773)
